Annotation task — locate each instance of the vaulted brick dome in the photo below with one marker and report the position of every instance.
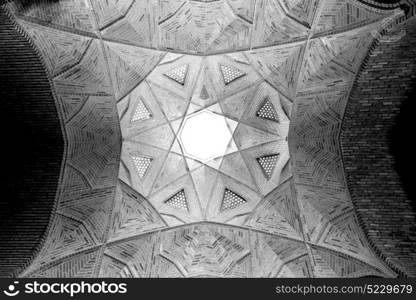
(210, 149)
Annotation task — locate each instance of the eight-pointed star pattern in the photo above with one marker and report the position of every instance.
(134, 202)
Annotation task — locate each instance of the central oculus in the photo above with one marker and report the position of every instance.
(206, 135)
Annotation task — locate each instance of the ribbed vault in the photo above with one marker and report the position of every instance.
(135, 204)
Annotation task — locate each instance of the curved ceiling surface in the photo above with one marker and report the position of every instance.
(260, 192)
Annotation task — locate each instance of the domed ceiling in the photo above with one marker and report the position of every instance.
(202, 136)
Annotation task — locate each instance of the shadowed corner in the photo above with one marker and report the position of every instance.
(401, 148)
(32, 146)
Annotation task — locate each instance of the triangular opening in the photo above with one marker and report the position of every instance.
(231, 200)
(141, 113)
(178, 74)
(142, 164)
(267, 164)
(267, 111)
(230, 74)
(178, 201)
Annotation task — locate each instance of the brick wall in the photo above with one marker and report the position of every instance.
(376, 141)
(387, 4)
(32, 149)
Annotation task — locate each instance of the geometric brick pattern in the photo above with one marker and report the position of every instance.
(278, 213)
(279, 257)
(274, 26)
(332, 264)
(70, 15)
(186, 26)
(131, 258)
(132, 214)
(129, 65)
(261, 61)
(339, 14)
(279, 64)
(211, 251)
(80, 266)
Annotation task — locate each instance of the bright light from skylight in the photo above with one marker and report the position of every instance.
(205, 135)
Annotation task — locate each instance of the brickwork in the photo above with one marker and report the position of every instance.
(381, 92)
(281, 73)
(32, 149)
